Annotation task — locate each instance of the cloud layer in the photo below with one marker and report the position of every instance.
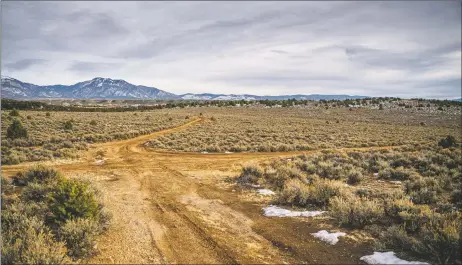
(406, 49)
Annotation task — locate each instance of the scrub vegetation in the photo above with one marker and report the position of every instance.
(49, 219)
(408, 198)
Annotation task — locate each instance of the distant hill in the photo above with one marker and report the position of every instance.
(106, 88)
(457, 99)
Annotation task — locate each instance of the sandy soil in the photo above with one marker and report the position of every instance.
(171, 207)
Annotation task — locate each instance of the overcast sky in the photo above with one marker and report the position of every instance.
(406, 49)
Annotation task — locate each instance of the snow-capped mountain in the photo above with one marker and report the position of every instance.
(106, 88)
(254, 97)
(95, 88)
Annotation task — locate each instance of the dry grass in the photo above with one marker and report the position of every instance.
(289, 129)
(49, 138)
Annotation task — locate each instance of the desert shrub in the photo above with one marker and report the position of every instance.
(48, 114)
(38, 174)
(36, 192)
(439, 239)
(29, 117)
(79, 236)
(295, 192)
(50, 207)
(354, 177)
(456, 198)
(72, 199)
(363, 193)
(14, 113)
(16, 130)
(93, 123)
(100, 154)
(68, 125)
(447, 142)
(422, 190)
(26, 240)
(354, 211)
(250, 174)
(395, 174)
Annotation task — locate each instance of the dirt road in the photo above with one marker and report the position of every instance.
(173, 207)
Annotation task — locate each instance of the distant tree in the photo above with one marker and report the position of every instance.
(16, 130)
(381, 107)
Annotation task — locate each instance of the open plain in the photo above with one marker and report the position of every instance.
(186, 207)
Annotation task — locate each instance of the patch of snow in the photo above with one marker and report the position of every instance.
(387, 258)
(331, 238)
(274, 211)
(265, 192)
(228, 152)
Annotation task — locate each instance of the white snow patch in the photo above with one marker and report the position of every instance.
(265, 192)
(272, 211)
(331, 238)
(387, 258)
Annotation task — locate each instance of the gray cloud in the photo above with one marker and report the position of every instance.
(92, 67)
(392, 48)
(23, 64)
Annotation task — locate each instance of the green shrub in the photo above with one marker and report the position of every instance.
(26, 240)
(354, 211)
(16, 130)
(14, 113)
(447, 142)
(38, 174)
(79, 236)
(72, 199)
(68, 125)
(36, 192)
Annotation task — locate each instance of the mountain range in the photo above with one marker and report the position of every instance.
(106, 88)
